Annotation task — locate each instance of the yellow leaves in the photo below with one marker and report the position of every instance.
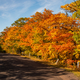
(70, 7)
(50, 47)
(40, 52)
(62, 15)
(71, 32)
(64, 52)
(62, 42)
(53, 34)
(78, 47)
(77, 55)
(64, 6)
(73, 7)
(45, 32)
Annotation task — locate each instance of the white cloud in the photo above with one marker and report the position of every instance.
(25, 6)
(3, 15)
(42, 8)
(17, 8)
(49, 4)
(7, 6)
(6, 15)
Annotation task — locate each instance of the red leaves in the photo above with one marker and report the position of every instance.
(64, 47)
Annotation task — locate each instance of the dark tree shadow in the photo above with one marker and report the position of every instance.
(17, 68)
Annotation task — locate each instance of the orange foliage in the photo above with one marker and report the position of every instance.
(47, 34)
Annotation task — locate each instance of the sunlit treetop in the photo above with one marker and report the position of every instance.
(42, 16)
(20, 22)
(73, 7)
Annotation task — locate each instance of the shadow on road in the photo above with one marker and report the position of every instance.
(17, 68)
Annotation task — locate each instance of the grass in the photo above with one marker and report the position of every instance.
(77, 73)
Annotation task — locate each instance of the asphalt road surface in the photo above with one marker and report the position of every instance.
(18, 68)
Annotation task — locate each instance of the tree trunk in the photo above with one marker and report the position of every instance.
(57, 59)
(29, 54)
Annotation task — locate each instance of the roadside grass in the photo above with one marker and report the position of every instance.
(74, 71)
(77, 73)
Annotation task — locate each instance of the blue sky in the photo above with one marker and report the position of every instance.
(11, 10)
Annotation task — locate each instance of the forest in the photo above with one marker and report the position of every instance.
(50, 37)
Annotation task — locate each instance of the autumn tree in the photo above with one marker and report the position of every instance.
(26, 38)
(58, 28)
(45, 35)
(1, 42)
(39, 32)
(11, 40)
(76, 36)
(73, 7)
(20, 22)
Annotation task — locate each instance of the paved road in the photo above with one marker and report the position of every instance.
(18, 68)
